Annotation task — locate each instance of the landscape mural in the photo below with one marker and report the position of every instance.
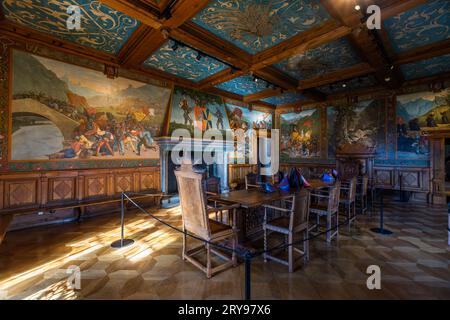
(197, 110)
(363, 123)
(247, 120)
(300, 135)
(61, 112)
(417, 111)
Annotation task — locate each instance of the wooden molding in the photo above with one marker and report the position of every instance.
(262, 95)
(137, 10)
(425, 52)
(220, 77)
(343, 74)
(302, 42)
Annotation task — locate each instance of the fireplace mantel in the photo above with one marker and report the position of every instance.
(167, 144)
(355, 159)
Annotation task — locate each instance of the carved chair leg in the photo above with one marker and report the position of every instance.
(265, 244)
(184, 246)
(329, 227)
(208, 260)
(291, 253)
(233, 255)
(306, 244)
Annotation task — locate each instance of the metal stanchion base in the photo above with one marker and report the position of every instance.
(122, 243)
(381, 231)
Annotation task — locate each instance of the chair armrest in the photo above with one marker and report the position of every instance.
(212, 193)
(267, 206)
(319, 195)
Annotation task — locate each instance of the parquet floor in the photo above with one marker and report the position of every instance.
(414, 262)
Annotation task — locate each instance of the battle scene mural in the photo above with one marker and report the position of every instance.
(415, 112)
(300, 135)
(193, 109)
(61, 111)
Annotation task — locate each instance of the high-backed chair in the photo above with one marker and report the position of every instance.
(252, 181)
(327, 204)
(294, 221)
(348, 199)
(196, 221)
(361, 193)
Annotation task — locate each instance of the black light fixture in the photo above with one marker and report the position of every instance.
(255, 79)
(344, 85)
(174, 46)
(199, 56)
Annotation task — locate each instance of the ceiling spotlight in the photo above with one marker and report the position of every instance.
(387, 79)
(255, 79)
(357, 7)
(344, 85)
(392, 67)
(174, 46)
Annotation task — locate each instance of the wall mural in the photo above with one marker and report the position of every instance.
(321, 60)
(102, 28)
(300, 135)
(194, 109)
(415, 112)
(244, 85)
(243, 118)
(331, 132)
(419, 26)
(257, 25)
(60, 111)
(183, 62)
(426, 68)
(362, 123)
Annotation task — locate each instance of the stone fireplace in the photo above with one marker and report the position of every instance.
(166, 147)
(355, 159)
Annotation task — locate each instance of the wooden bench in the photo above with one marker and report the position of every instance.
(6, 216)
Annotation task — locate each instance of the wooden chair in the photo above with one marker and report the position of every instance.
(196, 221)
(348, 199)
(295, 222)
(327, 204)
(252, 181)
(361, 193)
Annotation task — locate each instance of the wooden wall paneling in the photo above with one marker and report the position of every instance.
(43, 190)
(123, 182)
(96, 186)
(2, 195)
(20, 193)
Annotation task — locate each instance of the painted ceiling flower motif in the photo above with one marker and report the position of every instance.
(259, 24)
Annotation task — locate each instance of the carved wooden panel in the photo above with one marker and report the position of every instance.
(123, 183)
(96, 186)
(384, 178)
(150, 180)
(410, 179)
(237, 172)
(61, 189)
(21, 193)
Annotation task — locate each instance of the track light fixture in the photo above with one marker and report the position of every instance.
(199, 56)
(175, 46)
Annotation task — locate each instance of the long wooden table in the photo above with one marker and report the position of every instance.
(250, 200)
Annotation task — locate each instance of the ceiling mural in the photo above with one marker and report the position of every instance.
(426, 68)
(102, 28)
(244, 85)
(419, 26)
(285, 98)
(349, 85)
(260, 24)
(329, 57)
(184, 62)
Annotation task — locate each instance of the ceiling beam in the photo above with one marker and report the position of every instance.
(209, 43)
(423, 53)
(182, 11)
(312, 38)
(138, 10)
(314, 94)
(339, 75)
(277, 77)
(220, 77)
(364, 40)
(262, 94)
(140, 46)
(390, 8)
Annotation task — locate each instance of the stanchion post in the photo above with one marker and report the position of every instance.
(381, 229)
(248, 265)
(122, 242)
